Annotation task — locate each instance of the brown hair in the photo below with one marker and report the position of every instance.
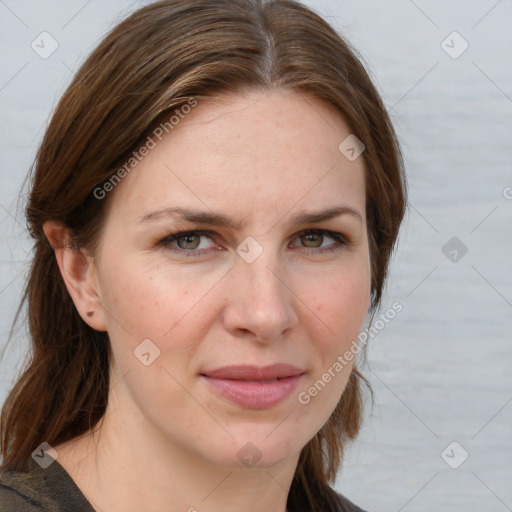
(148, 66)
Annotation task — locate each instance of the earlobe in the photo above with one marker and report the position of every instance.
(79, 274)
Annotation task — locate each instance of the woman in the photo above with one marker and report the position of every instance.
(214, 206)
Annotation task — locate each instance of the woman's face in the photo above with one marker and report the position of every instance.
(274, 271)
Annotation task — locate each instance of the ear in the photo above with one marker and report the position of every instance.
(79, 274)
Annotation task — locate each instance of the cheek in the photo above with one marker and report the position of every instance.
(134, 300)
(167, 305)
(150, 299)
(340, 305)
(340, 300)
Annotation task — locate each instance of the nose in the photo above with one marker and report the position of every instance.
(260, 303)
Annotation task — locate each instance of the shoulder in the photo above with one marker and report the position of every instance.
(18, 492)
(31, 489)
(40, 489)
(11, 501)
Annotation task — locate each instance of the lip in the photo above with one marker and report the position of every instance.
(250, 372)
(253, 387)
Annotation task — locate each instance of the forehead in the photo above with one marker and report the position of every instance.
(257, 152)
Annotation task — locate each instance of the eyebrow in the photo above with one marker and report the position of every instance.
(218, 219)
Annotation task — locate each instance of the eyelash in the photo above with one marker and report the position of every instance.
(341, 241)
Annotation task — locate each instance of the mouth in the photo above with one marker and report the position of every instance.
(252, 387)
(272, 372)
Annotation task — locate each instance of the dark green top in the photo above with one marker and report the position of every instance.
(53, 490)
(41, 490)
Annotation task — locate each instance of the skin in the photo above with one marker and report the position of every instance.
(167, 441)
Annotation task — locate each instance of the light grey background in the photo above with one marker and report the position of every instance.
(441, 370)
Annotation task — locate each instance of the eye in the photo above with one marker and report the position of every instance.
(316, 238)
(189, 242)
(313, 239)
(196, 243)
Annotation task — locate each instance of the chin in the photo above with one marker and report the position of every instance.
(256, 447)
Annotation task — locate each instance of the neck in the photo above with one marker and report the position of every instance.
(128, 466)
